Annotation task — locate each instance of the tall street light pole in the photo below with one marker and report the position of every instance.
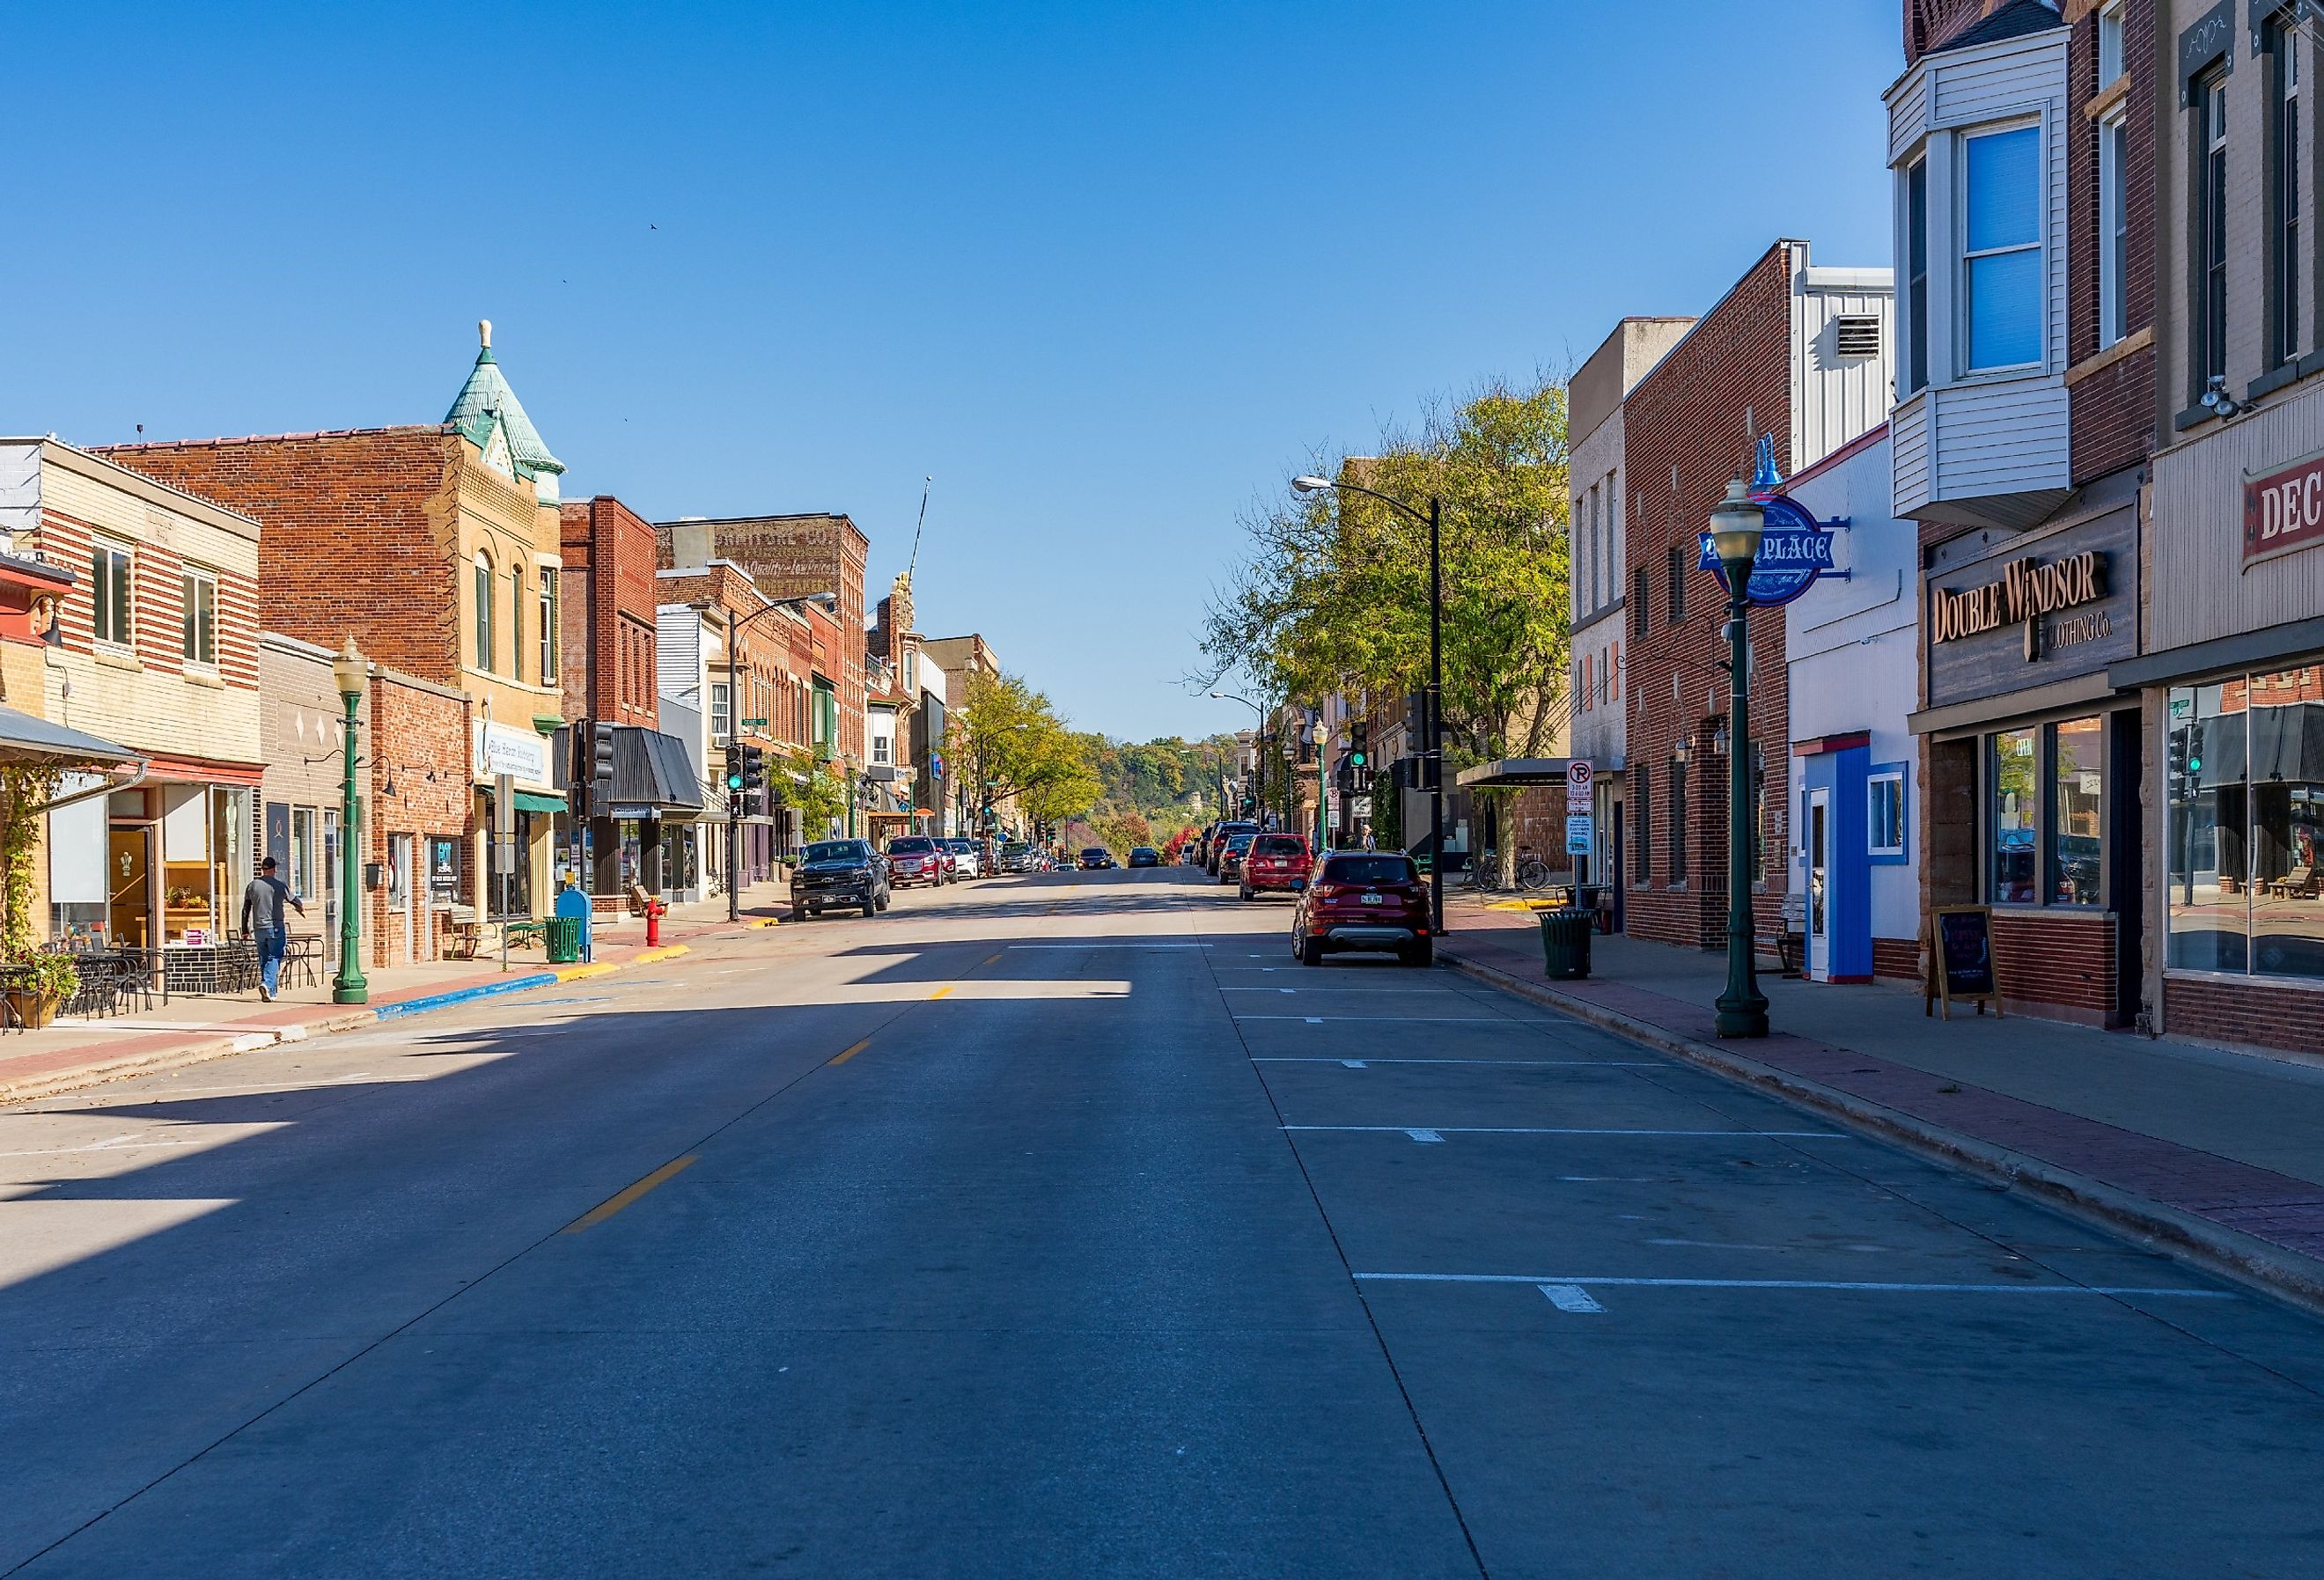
(1433, 752)
(735, 737)
(1736, 525)
(350, 672)
(1258, 748)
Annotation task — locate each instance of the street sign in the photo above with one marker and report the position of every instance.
(754, 723)
(504, 855)
(1577, 834)
(1581, 782)
(1359, 807)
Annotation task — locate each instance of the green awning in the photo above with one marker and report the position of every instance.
(534, 801)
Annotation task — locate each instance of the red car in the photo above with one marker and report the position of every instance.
(916, 858)
(1363, 899)
(1276, 861)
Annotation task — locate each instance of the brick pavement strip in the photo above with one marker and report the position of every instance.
(2252, 1223)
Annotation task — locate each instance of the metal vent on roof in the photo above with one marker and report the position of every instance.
(1859, 334)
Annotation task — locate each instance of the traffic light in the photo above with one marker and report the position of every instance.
(601, 759)
(754, 768)
(2194, 750)
(1416, 722)
(2178, 753)
(733, 765)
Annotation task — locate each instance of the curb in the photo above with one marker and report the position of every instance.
(2245, 1258)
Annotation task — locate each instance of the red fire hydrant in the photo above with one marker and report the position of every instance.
(654, 907)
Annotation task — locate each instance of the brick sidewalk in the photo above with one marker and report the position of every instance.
(2222, 1200)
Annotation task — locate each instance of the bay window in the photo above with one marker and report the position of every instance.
(1916, 276)
(2001, 248)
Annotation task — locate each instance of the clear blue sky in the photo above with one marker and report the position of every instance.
(1107, 271)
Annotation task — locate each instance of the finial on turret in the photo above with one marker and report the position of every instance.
(484, 332)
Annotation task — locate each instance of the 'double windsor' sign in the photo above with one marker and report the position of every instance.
(1794, 548)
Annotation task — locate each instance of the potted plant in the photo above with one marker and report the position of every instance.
(38, 982)
(39, 985)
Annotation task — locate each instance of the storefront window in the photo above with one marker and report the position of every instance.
(2011, 808)
(2244, 760)
(2077, 772)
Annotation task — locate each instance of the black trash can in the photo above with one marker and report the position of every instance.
(1565, 944)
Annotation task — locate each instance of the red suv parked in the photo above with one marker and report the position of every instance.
(1363, 899)
(914, 858)
(1276, 861)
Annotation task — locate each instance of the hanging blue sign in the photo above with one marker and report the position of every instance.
(1795, 548)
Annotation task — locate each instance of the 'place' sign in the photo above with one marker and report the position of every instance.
(2283, 510)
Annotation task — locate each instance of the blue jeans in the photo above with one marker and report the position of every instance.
(271, 942)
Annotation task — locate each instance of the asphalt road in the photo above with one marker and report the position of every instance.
(1066, 1226)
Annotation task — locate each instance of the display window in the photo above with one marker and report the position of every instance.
(2244, 810)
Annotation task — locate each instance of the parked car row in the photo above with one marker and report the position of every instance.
(851, 874)
(1348, 899)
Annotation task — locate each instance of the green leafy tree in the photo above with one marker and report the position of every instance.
(1332, 594)
(1009, 744)
(820, 795)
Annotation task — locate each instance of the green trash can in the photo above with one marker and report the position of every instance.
(1565, 944)
(564, 939)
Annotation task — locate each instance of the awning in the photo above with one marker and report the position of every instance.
(1511, 772)
(539, 801)
(26, 739)
(653, 769)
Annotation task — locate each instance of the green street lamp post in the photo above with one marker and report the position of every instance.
(350, 672)
(1734, 528)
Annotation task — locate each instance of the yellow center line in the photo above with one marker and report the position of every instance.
(942, 991)
(849, 1053)
(630, 1193)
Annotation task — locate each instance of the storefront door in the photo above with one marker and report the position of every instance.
(1819, 917)
(128, 872)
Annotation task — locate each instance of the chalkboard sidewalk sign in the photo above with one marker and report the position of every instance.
(1961, 962)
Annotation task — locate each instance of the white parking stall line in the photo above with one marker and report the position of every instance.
(1848, 1286)
(1407, 1020)
(1508, 1129)
(1424, 1135)
(1357, 1064)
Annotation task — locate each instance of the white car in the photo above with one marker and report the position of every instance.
(967, 860)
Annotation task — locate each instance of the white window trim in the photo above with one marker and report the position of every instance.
(1872, 783)
(2113, 195)
(200, 574)
(99, 593)
(1965, 372)
(2110, 18)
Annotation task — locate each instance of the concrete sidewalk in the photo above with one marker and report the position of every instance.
(72, 1054)
(2217, 1153)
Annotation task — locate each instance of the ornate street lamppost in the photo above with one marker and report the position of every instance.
(1736, 524)
(351, 672)
(1433, 752)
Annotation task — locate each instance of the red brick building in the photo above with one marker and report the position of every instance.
(435, 547)
(631, 834)
(1762, 362)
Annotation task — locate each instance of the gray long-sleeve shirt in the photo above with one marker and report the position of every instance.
(262, 901)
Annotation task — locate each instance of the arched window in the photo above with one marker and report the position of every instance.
(483, 610)
(516, 621)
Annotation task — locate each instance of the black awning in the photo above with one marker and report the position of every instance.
(653, 776)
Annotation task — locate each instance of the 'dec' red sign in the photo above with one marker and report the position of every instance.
(2283, 510)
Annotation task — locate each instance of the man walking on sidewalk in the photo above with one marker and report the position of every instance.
(262, 919)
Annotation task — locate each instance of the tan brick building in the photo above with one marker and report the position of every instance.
(157, 649)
